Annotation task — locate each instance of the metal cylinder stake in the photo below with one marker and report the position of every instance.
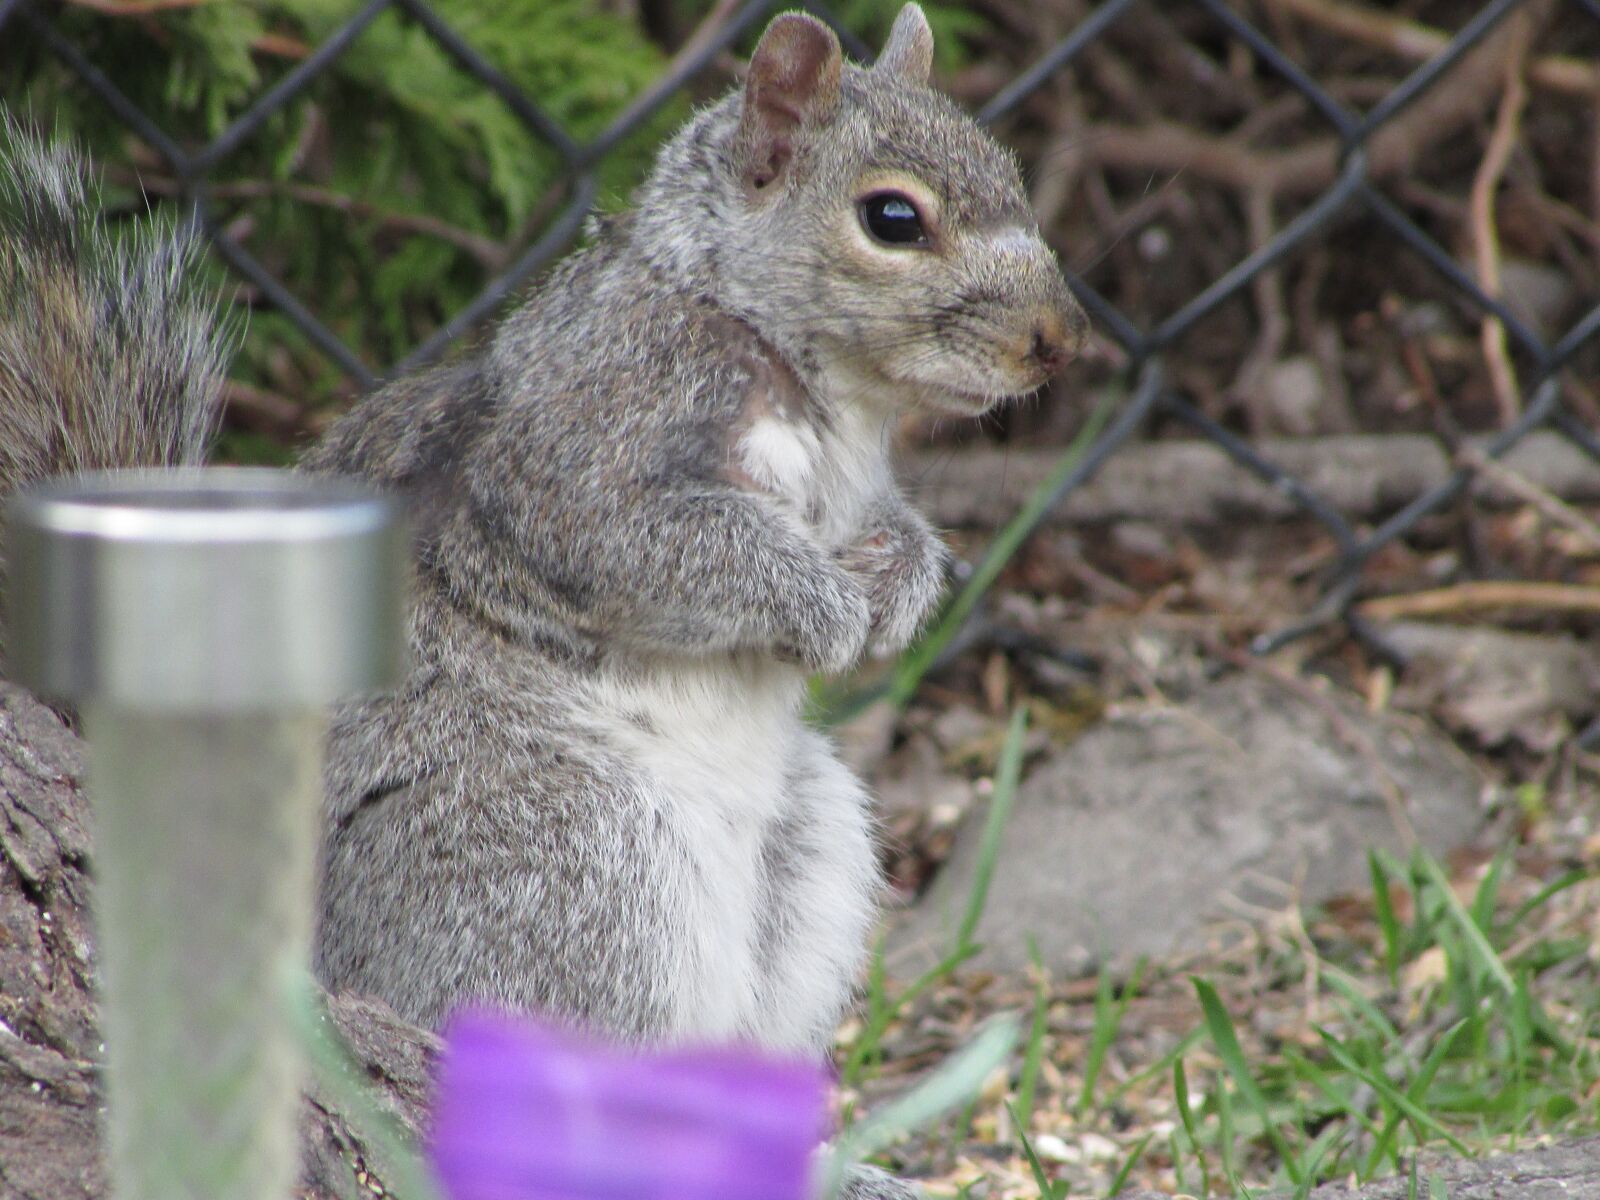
(202, 620)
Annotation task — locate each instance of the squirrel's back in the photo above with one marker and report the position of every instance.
(111, 355)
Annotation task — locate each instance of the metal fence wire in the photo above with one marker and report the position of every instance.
(1353, 191)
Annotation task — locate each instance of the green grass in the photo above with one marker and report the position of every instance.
(1459, 1024)
(1109, 1010)
(1465, 1058)
(882, 1007)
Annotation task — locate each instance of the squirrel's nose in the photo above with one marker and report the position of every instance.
(1053, 344)
(1048, 350)
(1056, 339)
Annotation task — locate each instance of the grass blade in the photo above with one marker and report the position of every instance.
(883, 1011)
(1180, 1092)
(1395, 1097)
(1488, 892)
(1342, 1101)
(1049, 1189)
(1417, 1091)
(1008, 771)
(1547, 893)
(1368, 1011)
(1159, 1067)
(948, 1085)
(1388, 922)
(1108, 1014)
(916, 662)
(881, 1018)
(1034, 1054)
(1128, 1164)
(1476, 940)
(1226, 1041)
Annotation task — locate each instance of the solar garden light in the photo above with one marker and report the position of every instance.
(202, 621)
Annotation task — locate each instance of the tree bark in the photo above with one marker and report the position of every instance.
(49, 1046)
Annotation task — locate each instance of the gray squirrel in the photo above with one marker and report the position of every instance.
(655, 501)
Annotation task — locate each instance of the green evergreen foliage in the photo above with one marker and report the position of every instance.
(388, 192)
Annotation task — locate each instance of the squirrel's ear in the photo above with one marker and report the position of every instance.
(793, 81)
(909, 51)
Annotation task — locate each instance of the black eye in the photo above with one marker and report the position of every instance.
(893, 220)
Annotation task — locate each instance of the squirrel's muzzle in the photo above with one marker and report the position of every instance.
(1058, 334)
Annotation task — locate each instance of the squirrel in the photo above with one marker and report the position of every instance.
(645, 510)
(655, 503)
(110, 355)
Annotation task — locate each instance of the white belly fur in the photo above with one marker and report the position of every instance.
(721, 739)
(718, 741)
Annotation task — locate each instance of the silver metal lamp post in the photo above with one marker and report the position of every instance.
(202, 621)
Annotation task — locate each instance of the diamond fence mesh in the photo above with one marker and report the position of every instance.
(1346, 183)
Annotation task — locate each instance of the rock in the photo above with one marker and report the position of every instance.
(1497, 686)
(1144, 539)
(1134, 839)
(1293, 396)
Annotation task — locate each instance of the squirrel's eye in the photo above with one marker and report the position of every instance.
(893, 220)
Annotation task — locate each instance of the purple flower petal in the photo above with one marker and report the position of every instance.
(523, 1112)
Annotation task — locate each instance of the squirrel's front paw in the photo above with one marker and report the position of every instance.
(830, 627)
(902, 571)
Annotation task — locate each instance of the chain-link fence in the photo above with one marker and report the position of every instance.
(1147, 345)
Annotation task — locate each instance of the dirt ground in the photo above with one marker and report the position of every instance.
(1094, 622)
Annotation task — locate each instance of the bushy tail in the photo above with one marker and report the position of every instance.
(110, 353)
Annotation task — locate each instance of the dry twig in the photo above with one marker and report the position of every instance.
(265, 410)
(1267, 290)
(1452, 103)
(1552, 506)
(1485, 238)
(1476, 595)
(485, 250)
(1417, 42)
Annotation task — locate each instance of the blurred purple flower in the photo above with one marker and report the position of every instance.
(524, 1112)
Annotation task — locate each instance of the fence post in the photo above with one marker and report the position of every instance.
(202, 621)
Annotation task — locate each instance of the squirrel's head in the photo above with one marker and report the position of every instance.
(863, 221)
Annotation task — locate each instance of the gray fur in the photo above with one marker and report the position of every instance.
(909, 50)
(503, 828)
(645, 511)
(109, 354)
